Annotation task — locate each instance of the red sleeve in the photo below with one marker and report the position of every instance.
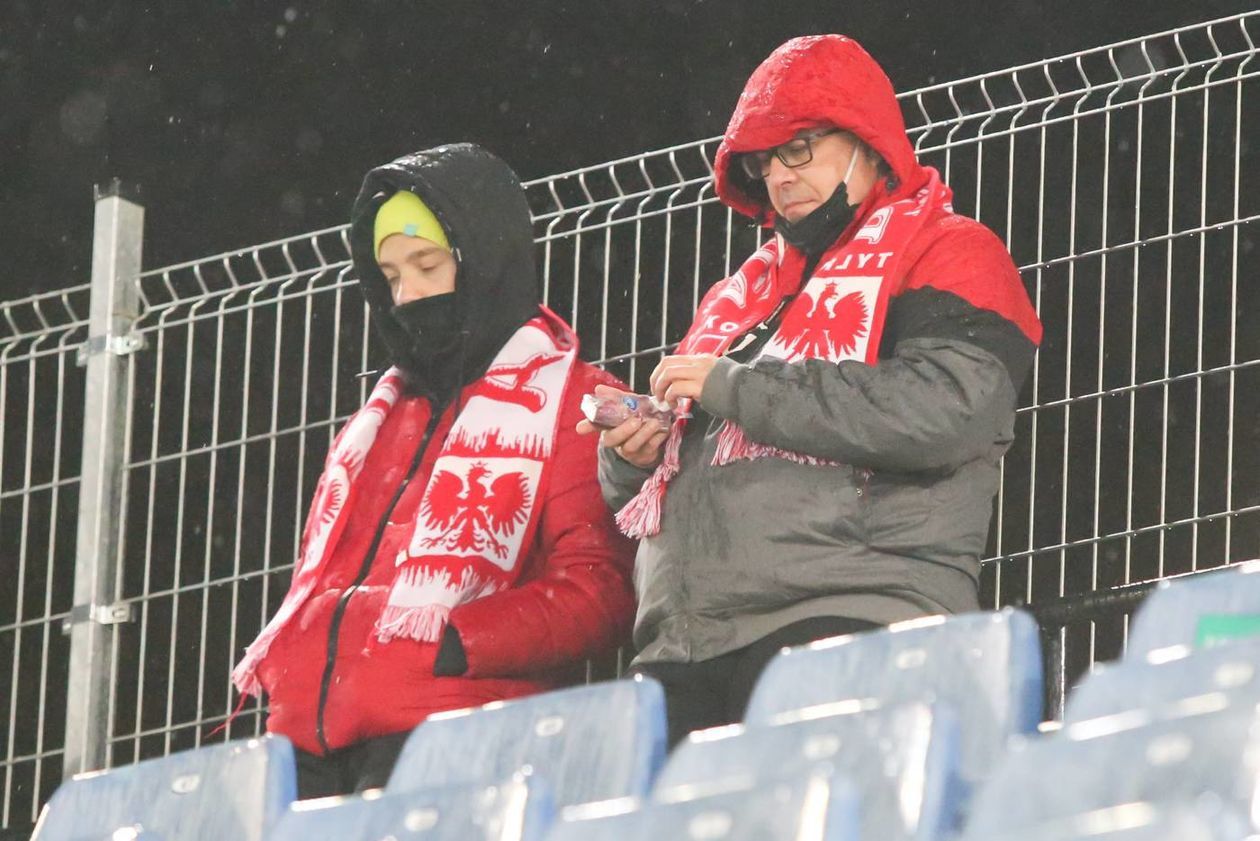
(577, 599)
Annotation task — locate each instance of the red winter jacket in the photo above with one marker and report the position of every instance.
(573, 600)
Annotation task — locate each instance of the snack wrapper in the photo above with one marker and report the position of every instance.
(614, 410)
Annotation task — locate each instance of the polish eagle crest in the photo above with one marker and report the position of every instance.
(473, 512)
(828, 327)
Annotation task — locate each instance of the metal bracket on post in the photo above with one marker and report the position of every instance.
(93, 622)
(101, 614)
(113, 345)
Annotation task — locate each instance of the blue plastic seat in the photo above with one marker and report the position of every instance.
(812, 808)
(903, 760)
(1135, 822)
(594, 742)
(236, 790)
(517, 810)
(986, 666)
(1166, 678)
(1198, 610)
(1127, 758)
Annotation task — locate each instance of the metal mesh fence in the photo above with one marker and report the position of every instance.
(40, 403)
(1121, 178)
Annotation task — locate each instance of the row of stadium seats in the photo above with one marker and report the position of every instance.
(926, 731)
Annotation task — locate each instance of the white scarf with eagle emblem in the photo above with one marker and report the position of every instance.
(838, 315)
(479, 511)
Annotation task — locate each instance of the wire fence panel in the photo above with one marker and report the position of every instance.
(1122, 179)
(40, 438)
(235, 404)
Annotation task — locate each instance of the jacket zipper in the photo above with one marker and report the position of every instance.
(334, 628)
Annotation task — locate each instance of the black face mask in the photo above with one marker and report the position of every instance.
(815, 233)
(433, 329)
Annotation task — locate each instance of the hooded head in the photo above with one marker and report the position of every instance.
(479, 209)
(812, 82)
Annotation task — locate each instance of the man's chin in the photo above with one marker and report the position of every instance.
(797, 211)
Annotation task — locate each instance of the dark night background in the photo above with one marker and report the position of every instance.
(244, 122)
(247, 121)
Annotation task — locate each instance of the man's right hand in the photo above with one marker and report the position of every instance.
(636, 440)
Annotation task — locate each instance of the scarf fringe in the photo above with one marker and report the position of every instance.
(245, 675)
(641, 516)
(422, 624)
(733, 445)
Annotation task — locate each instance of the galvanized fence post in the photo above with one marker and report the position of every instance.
(116, 247)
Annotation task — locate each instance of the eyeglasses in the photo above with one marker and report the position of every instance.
(796, 152)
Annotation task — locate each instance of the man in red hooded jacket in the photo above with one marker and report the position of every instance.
(457, 551)
(851, 388)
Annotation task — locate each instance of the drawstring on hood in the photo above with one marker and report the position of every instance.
(481, 206)
(463, 364)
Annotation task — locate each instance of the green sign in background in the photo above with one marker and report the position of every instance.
(1215, 628)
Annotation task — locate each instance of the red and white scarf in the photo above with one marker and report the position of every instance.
(479, 512)
(838, 315)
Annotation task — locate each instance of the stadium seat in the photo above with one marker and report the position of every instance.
(902, 760)
(1166, 678)
(1135, 822)
(236, 790)
(986, 666)
(517, 810)
(1198, 610)
(812, 808)
(594, 742)
(1101, 763)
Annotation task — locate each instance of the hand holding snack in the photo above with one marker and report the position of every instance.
(636, 439)
(611, 410)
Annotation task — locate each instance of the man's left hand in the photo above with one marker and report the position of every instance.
(681, 376)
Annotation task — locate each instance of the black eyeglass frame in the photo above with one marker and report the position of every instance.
(756, 165)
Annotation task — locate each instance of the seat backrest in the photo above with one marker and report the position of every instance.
(589, 743)
(1128, 758)
(903, 760)
(1198, 610)
(517, 810)
(986, 666)
(1165, 678)
(1135, 822)
(812, 808)
(234, 790)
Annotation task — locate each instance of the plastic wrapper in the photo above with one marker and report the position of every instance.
(616, 409)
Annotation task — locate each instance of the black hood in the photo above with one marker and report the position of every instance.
(481, 204)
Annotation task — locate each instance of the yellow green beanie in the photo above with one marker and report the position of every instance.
(404, 213)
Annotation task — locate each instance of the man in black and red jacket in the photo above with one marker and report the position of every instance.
(852, 389)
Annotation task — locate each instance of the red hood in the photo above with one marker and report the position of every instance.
(807, 81)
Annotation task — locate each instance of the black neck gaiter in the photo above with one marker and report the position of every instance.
(433, 355)
(815, 233)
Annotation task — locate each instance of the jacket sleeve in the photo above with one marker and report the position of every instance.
(964, 337)
(619, 480)
(577, 598)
